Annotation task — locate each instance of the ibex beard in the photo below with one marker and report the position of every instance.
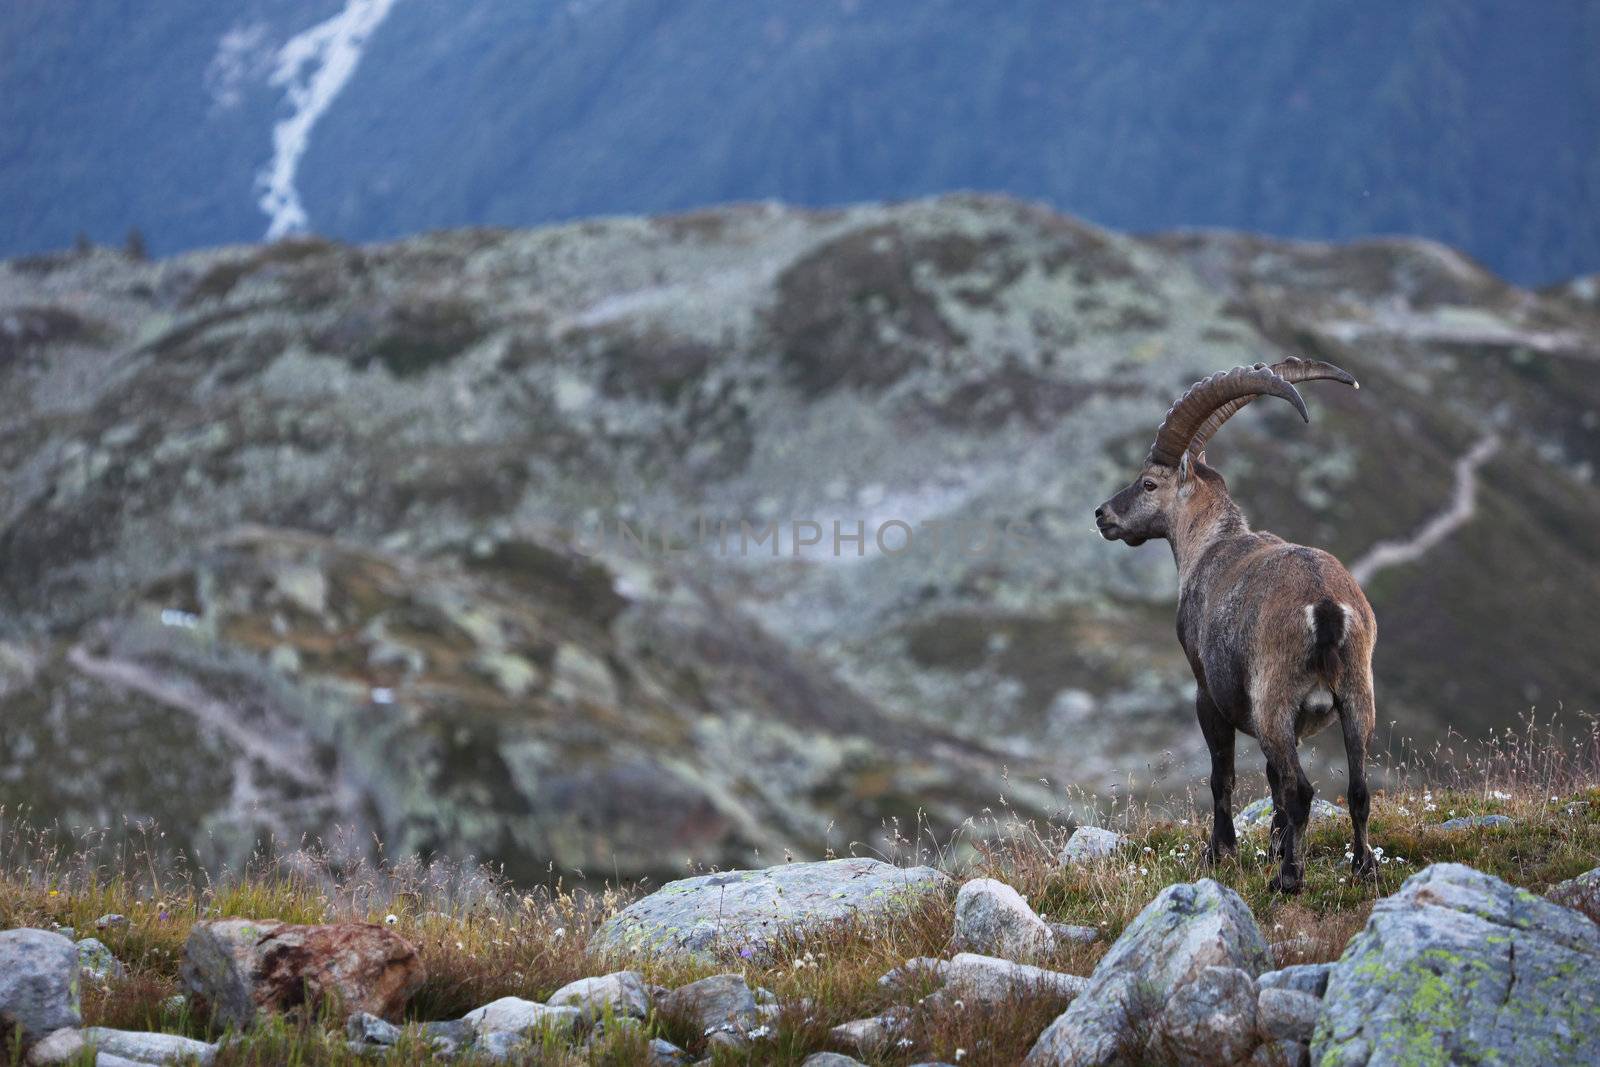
(1279, 636)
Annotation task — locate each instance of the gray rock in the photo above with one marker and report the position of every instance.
(1090, 843)
(727, 1037)
(749, 910)
(990, 980)
(1068, 934)
(502, 1045)
(1287, 1014)
(1581, 894)
(38, 983)
(111, 1059)
(1187, 928)
(1469, 822)
(1258, 814)
(830, 1059)
(513, 1015)
(711, 1003)
(449, 1037)
(1207, 1021)
(149, 1047)
(96, 961)
(1281, 1054)
(58, 1047)
(663, 1053)
(870, 1034)
(110, 919)
(993, 919)
(65, 931)
(365, 1028)
(1302, 978)
(1460, 967)
(621, 993)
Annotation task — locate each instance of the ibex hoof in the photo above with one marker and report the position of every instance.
(1286, 882)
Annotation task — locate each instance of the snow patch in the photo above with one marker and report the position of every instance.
(312, 69)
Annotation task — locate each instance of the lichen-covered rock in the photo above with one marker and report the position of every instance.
(96, 961)
(1258, 814)
(992, 919)
(366, 1029)
(663, 1053)
(56, 1049)
(1474, 822)
(872, 1034)
(235, 968)
(516, 1016)
(1301, 977)
(747, 910)
(1281, 1054)
(721, 1000)
(1459, 967)
(1185, 929)
(989, 980)
(449, 1037)
(1287, 1014)
(143, 1047)
(621, 993)
(1209, 1020)
(830, 1059)
(38, 983)
(1581, 894)
(1089, 843)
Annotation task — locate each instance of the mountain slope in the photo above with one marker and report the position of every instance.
(1472, 124)
(347, 500)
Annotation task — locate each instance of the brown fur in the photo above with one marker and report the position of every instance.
(1268, 628)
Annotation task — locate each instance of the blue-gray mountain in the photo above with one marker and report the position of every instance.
(1475, 124)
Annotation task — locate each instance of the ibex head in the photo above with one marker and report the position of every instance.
(1170, 475)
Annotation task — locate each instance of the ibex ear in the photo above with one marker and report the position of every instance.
(1185, 464)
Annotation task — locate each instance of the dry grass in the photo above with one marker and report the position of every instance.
(482, 938)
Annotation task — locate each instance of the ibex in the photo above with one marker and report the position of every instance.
(1279, 636)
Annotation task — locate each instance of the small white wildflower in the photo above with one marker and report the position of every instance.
(1261, 853)
(383, 695)
(761, 1031)
(1377, 850)
(1144, 870)
(1499, 795)
(1403, 809)
(559, 932)
(905, 1042)
(961, 1054)
(391, 919)
(1148, 850)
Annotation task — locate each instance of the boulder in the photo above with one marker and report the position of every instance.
(1089, 843)
(1581, 894)
(237, 967)
(1302, 978)
(449, 1038)
(96, 961)
(1472, 822)
(1069, 934)
(365, 1029)
(991, 981)
(993, 919)
(56, 1048)
(663, 1053)
(1258, 814)
(1188, 927)
(723, 1000)
(746, 911)
(869, 1035)
(1287, 1014)
(1207, 1021)
(38, 984)
(515, 1016)
(1281, 1054)
(830, 1059)
(622, 994)
(144, 1047)
(1460, 967)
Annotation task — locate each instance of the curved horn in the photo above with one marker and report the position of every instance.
(1292, 370)
(1208, 395)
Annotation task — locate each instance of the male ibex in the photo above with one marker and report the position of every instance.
(1279, 636)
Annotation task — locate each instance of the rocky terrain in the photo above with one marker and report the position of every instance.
(301, 536)
(1474, 941)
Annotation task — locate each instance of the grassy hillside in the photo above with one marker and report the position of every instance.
(482, 937)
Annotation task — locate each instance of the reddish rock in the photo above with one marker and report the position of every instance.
(237, 967)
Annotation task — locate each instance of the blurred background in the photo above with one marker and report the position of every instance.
(333, 332)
